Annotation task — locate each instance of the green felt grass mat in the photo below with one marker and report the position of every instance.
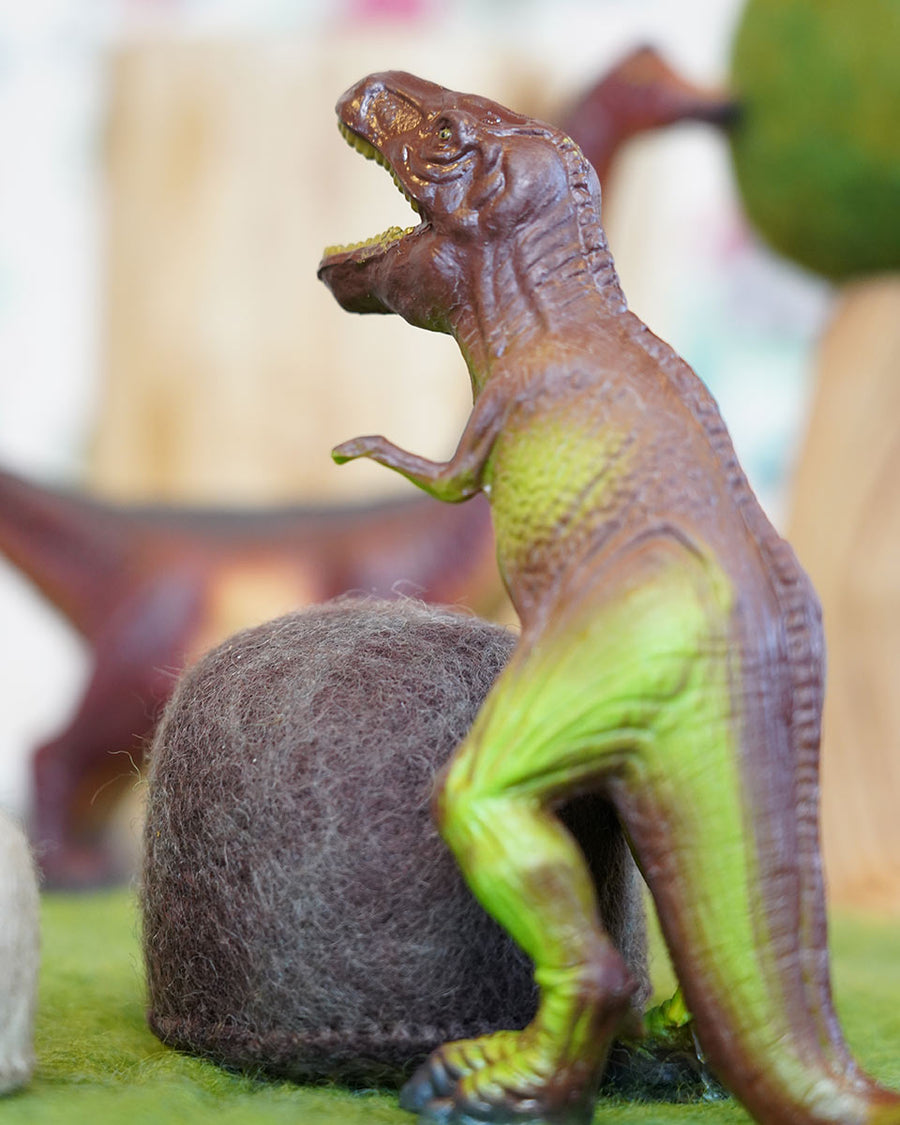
(98, 1063)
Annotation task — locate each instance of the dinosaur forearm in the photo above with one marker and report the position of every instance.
(443, 480)
(454, 480)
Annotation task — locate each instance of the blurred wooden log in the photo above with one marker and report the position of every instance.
(845, 528)
(229, 370)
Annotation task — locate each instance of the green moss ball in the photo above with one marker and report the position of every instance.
(817, 149)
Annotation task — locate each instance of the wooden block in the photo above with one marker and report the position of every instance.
(845, 527)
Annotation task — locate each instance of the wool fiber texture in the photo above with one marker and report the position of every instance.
(301, 916)
(19, 956)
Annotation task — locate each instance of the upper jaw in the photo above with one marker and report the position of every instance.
(383, 106)
(371, 115)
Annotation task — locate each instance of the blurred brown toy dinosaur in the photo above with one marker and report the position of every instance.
(152, 588)
(640, 93)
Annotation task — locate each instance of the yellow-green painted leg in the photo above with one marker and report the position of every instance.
(572, 710)
(521, 861)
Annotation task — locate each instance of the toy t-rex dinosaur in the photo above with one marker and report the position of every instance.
(147, 599)
(671, 649)
(151, 588)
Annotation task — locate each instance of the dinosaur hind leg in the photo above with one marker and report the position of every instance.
(525, 855)
(569, 712)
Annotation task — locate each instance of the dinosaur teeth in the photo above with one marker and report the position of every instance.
(409, 199)
(376, 245)
(369, 247)
(370, 152)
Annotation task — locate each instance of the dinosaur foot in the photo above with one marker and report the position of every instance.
(502, 1079)
(448, 1112)
(660, 1071)
(663, 1062)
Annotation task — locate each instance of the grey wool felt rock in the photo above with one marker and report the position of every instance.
(301, 916)
(19, 956)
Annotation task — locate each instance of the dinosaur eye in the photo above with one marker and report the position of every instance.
(446, 133)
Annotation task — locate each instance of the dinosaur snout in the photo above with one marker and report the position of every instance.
(386, 105)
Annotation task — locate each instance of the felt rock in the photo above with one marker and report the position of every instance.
(301, 916)
(19, 956)
(815, 149)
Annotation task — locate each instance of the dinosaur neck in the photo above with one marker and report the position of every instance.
(69, 548)
(527, 292)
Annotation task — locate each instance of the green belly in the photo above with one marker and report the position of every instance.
(553, 484)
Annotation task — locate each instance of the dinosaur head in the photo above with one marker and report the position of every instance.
(645, 92)
(475, 172)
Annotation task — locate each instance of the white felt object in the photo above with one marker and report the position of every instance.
(19, 956)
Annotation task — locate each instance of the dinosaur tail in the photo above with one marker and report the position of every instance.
(72, 549)
(799, 985)
(746, 931)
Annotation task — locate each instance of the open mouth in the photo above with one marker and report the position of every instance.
(370, 247)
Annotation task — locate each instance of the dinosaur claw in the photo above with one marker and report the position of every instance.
(431, 1083)
(438, 1111)
(661, 1070)
(341, 454)
(355, 447)
(416, 1093)
(444, 1111)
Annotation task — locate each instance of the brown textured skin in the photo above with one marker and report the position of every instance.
(150, 589)
(510, 259)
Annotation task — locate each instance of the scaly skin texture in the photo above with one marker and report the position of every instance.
(671, 647)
